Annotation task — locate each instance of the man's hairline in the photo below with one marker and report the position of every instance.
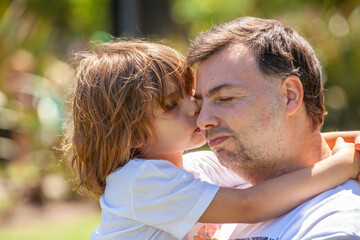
(268, 79)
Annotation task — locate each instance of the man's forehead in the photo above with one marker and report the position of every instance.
(232, 55)
(226, 67)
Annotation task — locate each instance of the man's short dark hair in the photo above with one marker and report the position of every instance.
(278, 49)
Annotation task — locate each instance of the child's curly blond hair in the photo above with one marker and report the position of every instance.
(116, 86)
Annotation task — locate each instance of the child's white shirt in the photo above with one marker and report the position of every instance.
(151, 199)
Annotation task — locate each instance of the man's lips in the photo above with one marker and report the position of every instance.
(216, 141)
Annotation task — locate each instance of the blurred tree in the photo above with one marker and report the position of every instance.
(141, 18)
(37, 39)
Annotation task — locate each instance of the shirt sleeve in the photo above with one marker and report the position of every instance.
(166, 197)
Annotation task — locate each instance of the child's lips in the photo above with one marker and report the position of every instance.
(197, 130)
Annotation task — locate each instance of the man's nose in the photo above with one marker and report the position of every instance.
(206, 119)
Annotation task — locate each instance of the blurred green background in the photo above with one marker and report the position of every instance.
(37, 40)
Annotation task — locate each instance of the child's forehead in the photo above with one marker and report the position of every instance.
(172, 86)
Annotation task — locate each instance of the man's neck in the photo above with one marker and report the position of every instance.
(313, 149)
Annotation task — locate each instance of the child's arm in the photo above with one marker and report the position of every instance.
(348, 136)
(277, 196)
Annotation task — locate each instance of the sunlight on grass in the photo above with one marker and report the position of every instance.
(77, 229)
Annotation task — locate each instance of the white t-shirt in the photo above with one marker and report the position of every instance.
(205, 166)
(151, 199)
(334, 214)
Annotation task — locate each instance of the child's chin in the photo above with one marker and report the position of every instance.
(199, 144)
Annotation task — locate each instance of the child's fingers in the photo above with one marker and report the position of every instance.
(357, 143)
(339, 142)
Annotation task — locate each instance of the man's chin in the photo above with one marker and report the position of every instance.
(242, 165)
(224, 157)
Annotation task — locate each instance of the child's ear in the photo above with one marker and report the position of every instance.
(137, 145)
(293, 93)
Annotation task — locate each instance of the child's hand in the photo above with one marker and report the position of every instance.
(349, 155)
(348, 136)
(357, 143)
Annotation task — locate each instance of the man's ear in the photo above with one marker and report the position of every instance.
(292, 89)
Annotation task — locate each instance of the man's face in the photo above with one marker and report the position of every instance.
(242, 114)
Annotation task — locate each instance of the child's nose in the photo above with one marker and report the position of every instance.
(193, 107)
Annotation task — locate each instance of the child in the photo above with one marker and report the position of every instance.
(133, 117)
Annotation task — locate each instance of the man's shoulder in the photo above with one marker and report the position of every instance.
(336, 211)
(206, 166)
(340, 202)
(336, 198)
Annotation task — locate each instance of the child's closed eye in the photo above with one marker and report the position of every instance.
(171, 106)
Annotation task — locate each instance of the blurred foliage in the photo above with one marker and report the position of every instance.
(79, 228)
(37, 38)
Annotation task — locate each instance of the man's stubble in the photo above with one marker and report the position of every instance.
(258, 151)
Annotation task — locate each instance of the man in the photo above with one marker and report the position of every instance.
(259, 85)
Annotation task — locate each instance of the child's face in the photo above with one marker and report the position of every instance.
(175, 127)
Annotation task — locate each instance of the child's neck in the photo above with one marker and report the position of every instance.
(174, 158)
(178, 163)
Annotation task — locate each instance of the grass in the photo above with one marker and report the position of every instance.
(77, 229)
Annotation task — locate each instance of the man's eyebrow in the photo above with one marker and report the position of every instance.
(217, 89)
